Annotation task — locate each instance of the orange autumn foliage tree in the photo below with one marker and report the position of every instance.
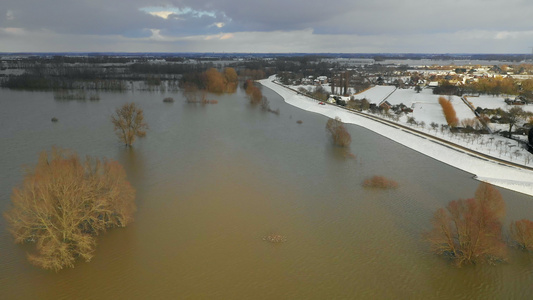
(215, 82)
(225, 82)
(470, 231)
(449, 111)
(254, 93)
(232, 80)
(497, 85)
(64, 203)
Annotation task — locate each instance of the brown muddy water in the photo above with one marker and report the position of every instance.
(213, 180)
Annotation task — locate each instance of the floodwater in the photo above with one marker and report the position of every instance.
(213, 180)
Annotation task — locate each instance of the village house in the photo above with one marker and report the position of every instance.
(385, 105)
(339, 100)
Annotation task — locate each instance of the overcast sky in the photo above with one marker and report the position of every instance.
(316, 26)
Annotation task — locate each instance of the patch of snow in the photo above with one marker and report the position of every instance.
(428, 113)
(490, 102)
(376, 94)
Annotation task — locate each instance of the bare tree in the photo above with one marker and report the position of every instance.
(434, 126)
(470, 231)
(512, 117)
(64, 203)
(129, 123)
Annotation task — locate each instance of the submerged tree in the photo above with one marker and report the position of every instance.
(64, 203)
(470, 231)
(253, 92)
(129, 123)
(380, 182)
(215, 81)
(231, 79)
(338, 132)
(522, 234)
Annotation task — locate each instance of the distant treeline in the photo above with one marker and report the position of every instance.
(490, 86)
(166, 68)
(69, 73)
(26, 82)
(32, 82)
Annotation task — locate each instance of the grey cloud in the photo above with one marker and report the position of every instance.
(372, 17)
(98, 18)
(80, 17)
(385, 24)
(324, 17)
(192, 24)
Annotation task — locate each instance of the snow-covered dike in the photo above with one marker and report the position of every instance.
(512, 178)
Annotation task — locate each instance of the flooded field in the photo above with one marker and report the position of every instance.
(214, 180)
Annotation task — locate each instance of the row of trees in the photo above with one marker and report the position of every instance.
(449, 112)
(34, 82)
(469, 231)
(342, 81)
(319, 92)
(502, 86)
(497, 85)
(45, 74)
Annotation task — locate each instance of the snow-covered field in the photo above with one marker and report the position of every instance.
(425, 104)
(428, 109)
(493, 102)
(428, 113)
(490, 102)
(512, 178)
(377, 94)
